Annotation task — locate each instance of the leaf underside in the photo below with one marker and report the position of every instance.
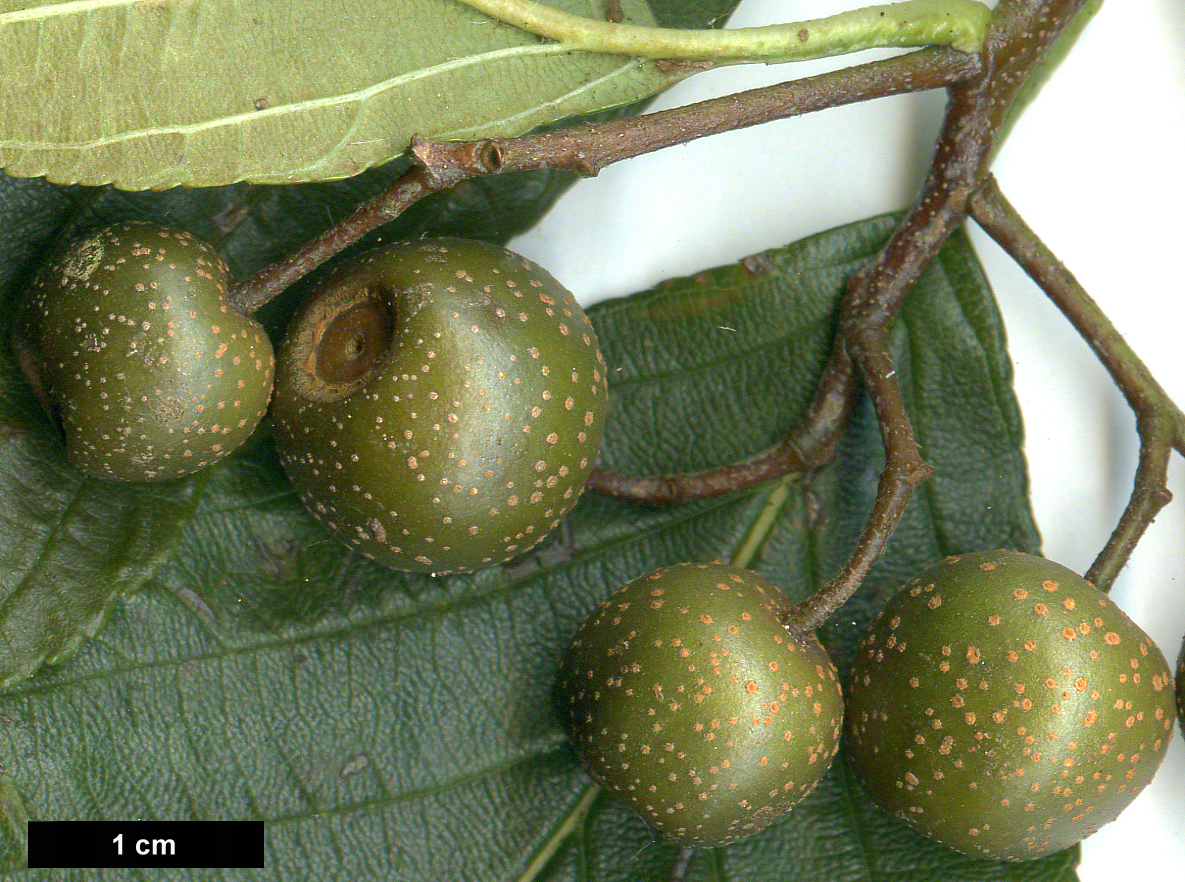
(68, 545)
(388, 726)
(148, 95)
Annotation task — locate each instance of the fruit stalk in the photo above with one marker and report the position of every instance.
(1020, 34)
(1159, 422)
(904, 471)
(418, 182)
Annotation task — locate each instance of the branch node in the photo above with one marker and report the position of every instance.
(488, 155)
(583, 167)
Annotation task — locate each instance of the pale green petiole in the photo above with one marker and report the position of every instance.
(956, 23)
(559, 835)
(758, 533)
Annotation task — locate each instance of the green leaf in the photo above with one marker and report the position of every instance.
(161, 94)
(69, 544)
(254, 225)
(398, 727)
(14, 825)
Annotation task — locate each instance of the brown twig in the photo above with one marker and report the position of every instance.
(589, 148)
(904, 471)
(1018, 38)
(413, 185)
(1149, 495)
(1020, 34)
(810, 444)
(1159, 422)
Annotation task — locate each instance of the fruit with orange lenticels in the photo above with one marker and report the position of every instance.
(1004, 706)
(128, 338)
(439, 404)
(1181, 687)
(686, 695)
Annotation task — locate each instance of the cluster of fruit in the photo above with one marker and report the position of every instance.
(1000, 704)
(439, 405)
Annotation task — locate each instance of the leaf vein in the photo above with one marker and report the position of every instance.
(359, 96)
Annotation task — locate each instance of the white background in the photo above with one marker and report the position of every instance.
(1097, 167)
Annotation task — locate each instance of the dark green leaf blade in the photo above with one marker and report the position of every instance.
(268, 674)
(69, 544)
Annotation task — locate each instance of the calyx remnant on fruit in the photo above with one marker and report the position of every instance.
(344, 337)
(1005, 707)
(686, 696)
(439, 404)
(128, 339)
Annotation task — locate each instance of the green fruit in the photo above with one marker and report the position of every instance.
(439, 404)
(128, 339)
(686, 696)
(1181, 687)
(1003, 706)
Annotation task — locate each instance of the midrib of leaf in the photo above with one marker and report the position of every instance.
(565, 826)
(34, 12)
(410, 795)
(359, 97)
(586, 88)
(378, 621)
(777, 497)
